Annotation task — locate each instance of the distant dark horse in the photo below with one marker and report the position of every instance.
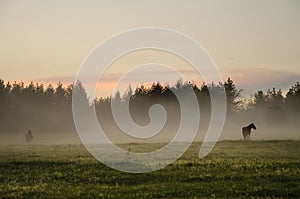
(247, 130)
(29, 136)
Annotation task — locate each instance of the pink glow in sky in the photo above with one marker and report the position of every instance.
(254, 42)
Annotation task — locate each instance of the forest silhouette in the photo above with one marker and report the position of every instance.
(47, 110)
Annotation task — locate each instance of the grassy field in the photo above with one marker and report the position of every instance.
(234, 169)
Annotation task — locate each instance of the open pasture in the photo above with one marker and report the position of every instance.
(234, 169)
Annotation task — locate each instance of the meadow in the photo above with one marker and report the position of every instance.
(234, 169)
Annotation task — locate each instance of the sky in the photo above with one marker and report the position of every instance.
(254, 42)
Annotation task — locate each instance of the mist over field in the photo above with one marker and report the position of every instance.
(141, 70)
(47, 112)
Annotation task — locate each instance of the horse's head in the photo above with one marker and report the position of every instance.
(253, 126)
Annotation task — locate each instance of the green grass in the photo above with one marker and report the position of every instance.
(234, 169)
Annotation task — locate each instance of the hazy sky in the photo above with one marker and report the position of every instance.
(255, 42)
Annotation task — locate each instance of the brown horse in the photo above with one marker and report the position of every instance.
(246, 131)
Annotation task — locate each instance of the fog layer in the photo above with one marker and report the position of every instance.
(47, 112)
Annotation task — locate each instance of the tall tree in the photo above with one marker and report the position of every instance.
(232, 94)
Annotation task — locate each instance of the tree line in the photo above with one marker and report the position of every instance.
(48, 109)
